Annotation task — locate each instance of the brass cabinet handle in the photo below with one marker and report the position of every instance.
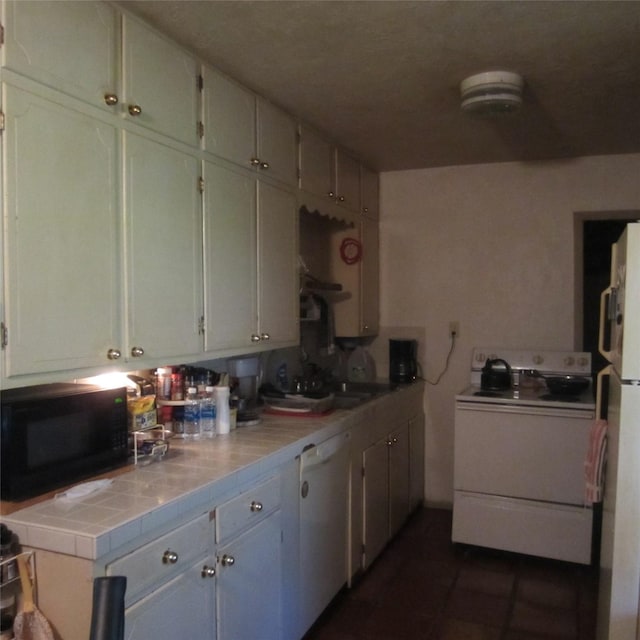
(227, 561)
(169, 557)
(113, 354)
(208, 572)
(135, 110)
(110, 99)
(137, 352)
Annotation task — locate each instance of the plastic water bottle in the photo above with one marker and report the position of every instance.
(223, 424)
(192, 414)
(208, 414)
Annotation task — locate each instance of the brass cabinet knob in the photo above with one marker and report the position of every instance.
(135, 110)
(255, 162)
(113, 354)
(341, 198)
(110, 99)
(265, 336)
(255, 337)
(256, 507)
(137, 352)
(264, 165)
(331, 194)
(169, 557)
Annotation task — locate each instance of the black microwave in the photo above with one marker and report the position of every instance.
(55, 434)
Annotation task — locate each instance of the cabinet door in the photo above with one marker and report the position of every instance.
(369, 278)
(416, 461)
(398, 478)
(62, 247)
(229, 119)
(375, 461)
(182, 608)
(230, 259)
(370, 193)
(277, 143)
(250, 583)
(164, 239)
(277, 268)
(316, 164)
(160, 79)
(71, 46)
(347, 181)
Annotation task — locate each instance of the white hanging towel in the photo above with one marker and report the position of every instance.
(594, 464)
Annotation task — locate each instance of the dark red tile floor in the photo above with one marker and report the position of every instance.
(423, 587)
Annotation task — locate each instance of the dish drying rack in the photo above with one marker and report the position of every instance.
(147, 450)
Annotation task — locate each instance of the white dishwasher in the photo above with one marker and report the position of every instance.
(324, 504)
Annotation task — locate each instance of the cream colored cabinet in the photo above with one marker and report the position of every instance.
(386, 490)
(247, 130)
(416, 460)
(328, 174)
(370, 193)
(278, 300)
(171, 584)
(250, 262)
(160, 80)
(355, 264)
(62, 293)
(163, 215)
(249, 557)
(69, 46)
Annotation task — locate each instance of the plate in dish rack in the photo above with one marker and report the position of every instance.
(300, 404)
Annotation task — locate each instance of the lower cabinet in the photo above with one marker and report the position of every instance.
(249, 579)
(386, 490)
(182, 608)
(249, 564)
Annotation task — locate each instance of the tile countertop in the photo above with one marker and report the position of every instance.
(193, 476)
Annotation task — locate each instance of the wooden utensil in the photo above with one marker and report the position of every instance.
(30, 623)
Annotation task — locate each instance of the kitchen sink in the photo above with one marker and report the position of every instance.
(348, 395)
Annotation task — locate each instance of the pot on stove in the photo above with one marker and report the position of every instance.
(496, 375)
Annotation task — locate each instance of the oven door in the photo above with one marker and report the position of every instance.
(536, 453)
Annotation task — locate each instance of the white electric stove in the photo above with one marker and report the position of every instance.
(519, 458)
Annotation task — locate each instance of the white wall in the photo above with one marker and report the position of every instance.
(491, 246)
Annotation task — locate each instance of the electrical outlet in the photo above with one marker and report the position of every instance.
(454, 328)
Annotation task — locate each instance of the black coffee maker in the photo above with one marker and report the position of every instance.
(403, 360)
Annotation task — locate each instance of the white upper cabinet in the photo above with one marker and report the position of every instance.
(247, 130)
(278, 284)
(229, 118)
(329, 173)
(161, 83)
(370, 193)
(251, 286)
(62, 249)
(164, 257)
(229, 258)
(70, 46)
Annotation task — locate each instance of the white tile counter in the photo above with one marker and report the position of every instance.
(192, 476)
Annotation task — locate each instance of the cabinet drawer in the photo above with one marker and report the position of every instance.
(247, 509)
(155, 563)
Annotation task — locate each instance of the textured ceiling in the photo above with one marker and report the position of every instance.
(382, 77)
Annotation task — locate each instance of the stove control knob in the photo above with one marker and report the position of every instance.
(569, 361)
(480, 357)
(538, 359)
(583, 362)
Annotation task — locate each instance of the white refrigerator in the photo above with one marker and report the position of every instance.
(619, 590)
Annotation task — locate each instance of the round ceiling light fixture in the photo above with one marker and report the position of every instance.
(491, 92)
